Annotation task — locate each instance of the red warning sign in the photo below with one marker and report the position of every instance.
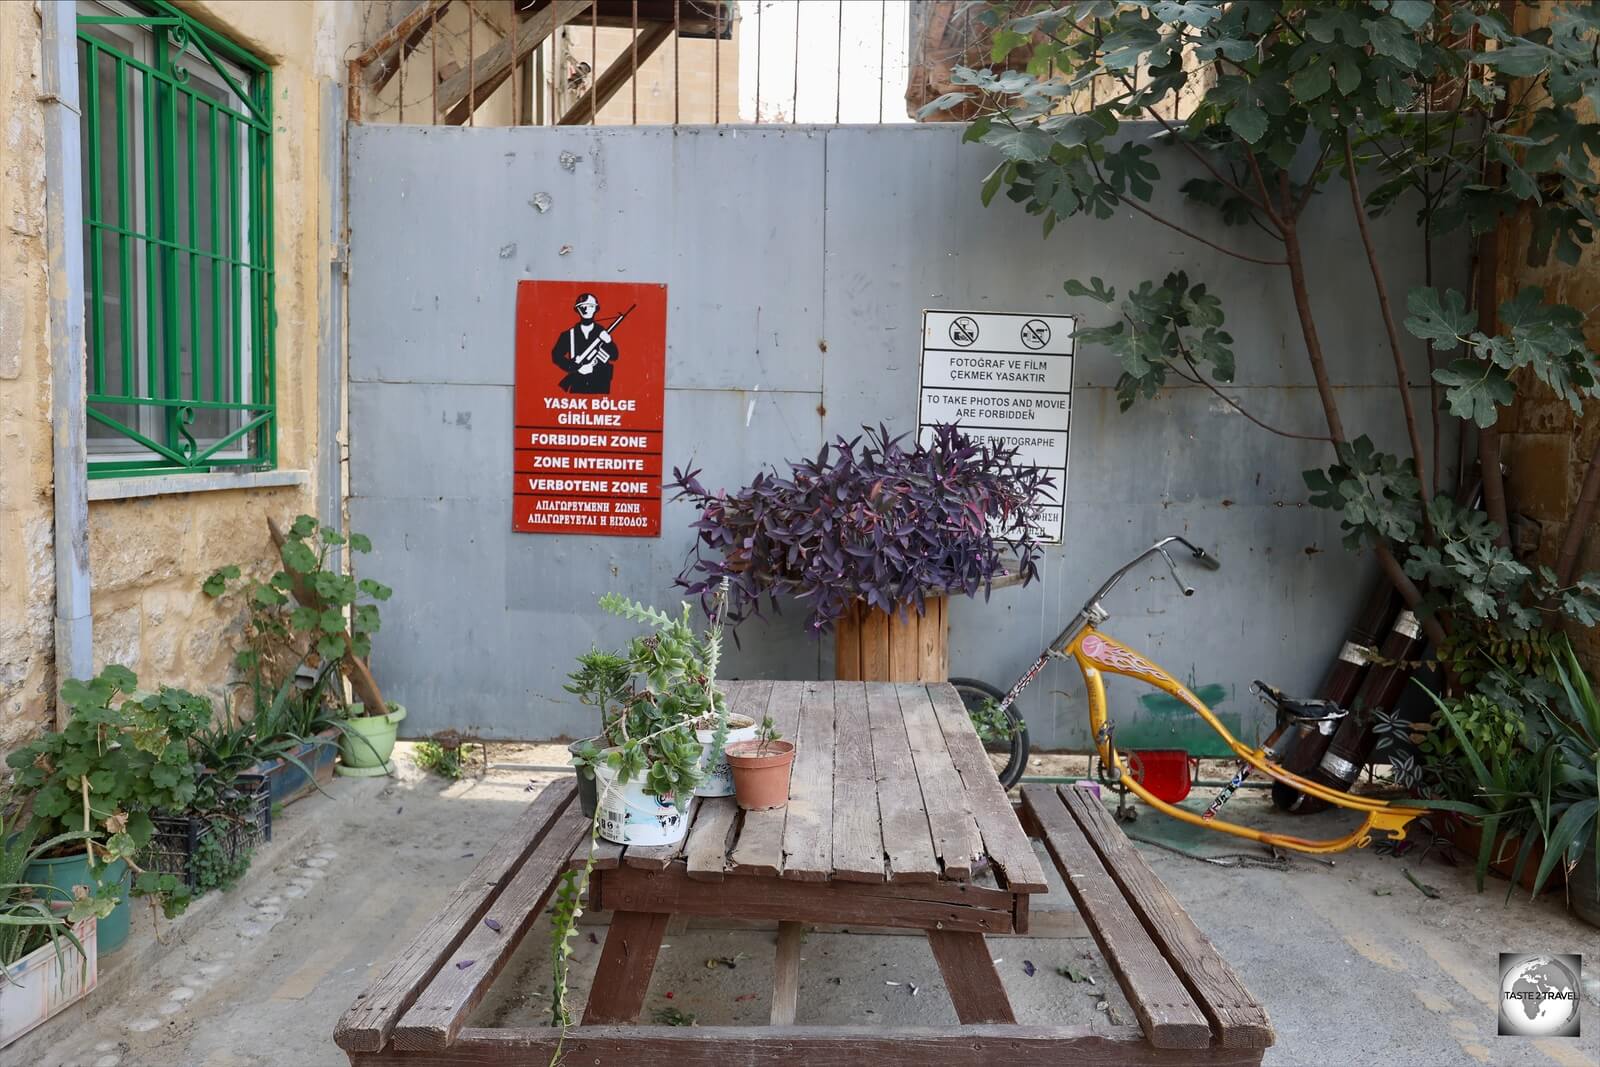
(591, 367)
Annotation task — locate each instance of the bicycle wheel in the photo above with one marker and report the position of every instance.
(1004, 736)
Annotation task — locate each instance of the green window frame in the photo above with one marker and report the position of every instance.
(176, 132)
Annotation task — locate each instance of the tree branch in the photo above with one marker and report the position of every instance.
(1199, 378)
(1408, 592)
(1402, 380)
(1147, 213)
(1308, 330)
(1578, 523)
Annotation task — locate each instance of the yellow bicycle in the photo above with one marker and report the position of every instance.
(1098, 654)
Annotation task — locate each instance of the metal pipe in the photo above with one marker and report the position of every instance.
(74, 645)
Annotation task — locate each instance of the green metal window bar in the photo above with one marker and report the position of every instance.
(178, 227)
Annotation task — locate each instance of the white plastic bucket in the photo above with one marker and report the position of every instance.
(41, 984)
(718, 781)
(630, 816)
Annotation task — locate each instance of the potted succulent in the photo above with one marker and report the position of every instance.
(761, 768)
(872, 535)
(303, 607)
(92, 787)
(602, 680)
(647, 759)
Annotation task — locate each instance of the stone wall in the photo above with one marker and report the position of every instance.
(27, 563)
(148, 555)
(1546, 447)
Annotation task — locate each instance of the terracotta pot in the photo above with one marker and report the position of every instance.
(761, 778)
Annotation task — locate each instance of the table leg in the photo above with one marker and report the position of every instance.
(786, 974)
(626, 961)
(970, 977)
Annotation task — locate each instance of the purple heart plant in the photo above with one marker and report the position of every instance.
(871, 521)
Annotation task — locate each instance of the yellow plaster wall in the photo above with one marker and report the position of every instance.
(149, 555)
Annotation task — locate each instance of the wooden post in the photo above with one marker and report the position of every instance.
(878, 646)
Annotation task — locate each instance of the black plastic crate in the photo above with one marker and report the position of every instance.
(178, 837)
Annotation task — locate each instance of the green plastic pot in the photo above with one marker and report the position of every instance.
(67, 871)
(367, 742)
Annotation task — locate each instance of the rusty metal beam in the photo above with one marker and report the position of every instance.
(405, 34)
(486, 73)
(617, 74)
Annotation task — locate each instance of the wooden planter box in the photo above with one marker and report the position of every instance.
(875, 646)
(1468, 837)
(41, 984)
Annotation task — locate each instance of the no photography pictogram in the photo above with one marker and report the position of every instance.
(1036, 333)
(964, 330)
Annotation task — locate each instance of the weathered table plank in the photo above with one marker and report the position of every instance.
(366, 1026)
(706, 852)
(1239, 1019)
(1008, 847)
(906, 838)
(814, 1046)
(627, 959)
(758, 844)
(808, 827)
(916, 905)
(857, 827)
(456, 987)
(970, 977)
(955, 833)
(1164, 1007)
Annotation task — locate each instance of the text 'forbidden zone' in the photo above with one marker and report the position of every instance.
(591, 362)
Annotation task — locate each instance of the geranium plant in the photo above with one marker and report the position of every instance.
(871, 520)
(299, 614)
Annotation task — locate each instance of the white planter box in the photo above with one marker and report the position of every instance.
(40, 984)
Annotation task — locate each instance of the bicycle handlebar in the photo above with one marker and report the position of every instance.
(1199, 555)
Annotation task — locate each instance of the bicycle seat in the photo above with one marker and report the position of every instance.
(1298, 710)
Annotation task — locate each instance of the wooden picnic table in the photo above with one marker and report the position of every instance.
(895, 819)
(893, 807)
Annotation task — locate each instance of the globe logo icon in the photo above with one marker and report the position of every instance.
(1539, 995)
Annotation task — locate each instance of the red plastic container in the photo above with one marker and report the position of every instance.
(1163, 771)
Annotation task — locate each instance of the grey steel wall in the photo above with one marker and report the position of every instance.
(798, 262)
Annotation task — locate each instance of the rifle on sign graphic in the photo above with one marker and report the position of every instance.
(594, 355)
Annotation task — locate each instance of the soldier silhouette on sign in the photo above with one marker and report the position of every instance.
(585, 350)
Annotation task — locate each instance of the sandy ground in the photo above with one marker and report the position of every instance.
(1354, 964)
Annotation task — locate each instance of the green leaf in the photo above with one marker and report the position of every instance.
(1095, 290)
(331, 646)
(360, 542)
(299, 557)
(304, 526)
(991, 184)
(1442, 320)
(1414, 13)
(303, 618)
(331, 621)
(1248, 121)
(1518, 60)
(1391, 38)
(1475, 390)
(375, 590)
(1311, 82)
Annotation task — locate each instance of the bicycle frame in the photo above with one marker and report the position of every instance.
(1098, 654)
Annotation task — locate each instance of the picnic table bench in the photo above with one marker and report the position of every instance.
(895, 819)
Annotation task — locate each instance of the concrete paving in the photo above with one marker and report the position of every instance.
(1354, 964)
